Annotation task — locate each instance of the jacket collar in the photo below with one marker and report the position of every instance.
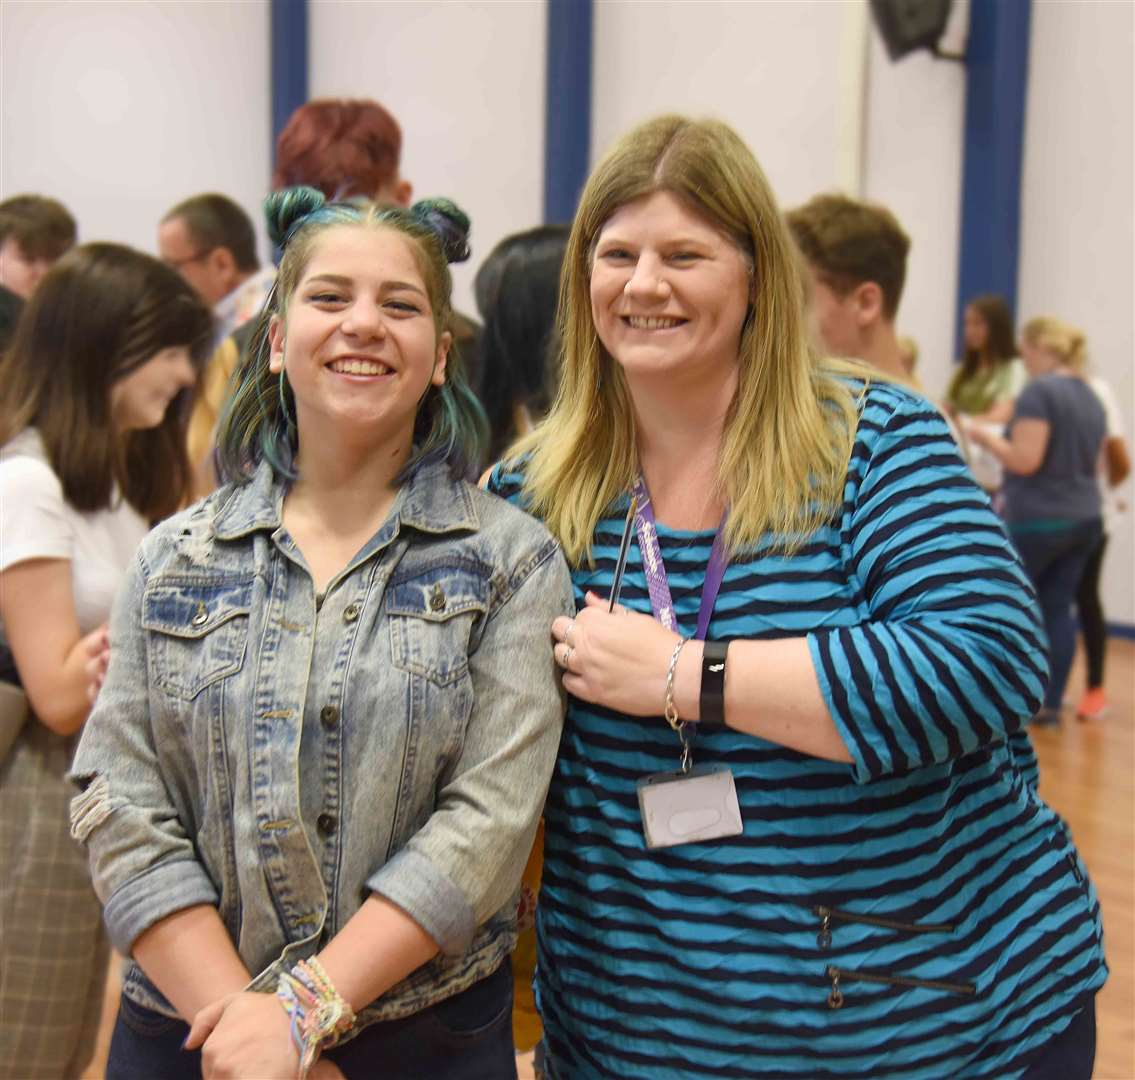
(431, 501)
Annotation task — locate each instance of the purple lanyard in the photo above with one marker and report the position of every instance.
(661, 600)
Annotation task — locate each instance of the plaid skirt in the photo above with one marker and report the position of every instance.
(53, 948)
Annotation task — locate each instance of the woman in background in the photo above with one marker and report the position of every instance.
(988, 379)
(91, 401)
(822, 613)
(1114, 470)
(1051, 458)
(990, 375)
(516, 289)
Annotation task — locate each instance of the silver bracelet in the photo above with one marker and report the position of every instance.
(671, 710)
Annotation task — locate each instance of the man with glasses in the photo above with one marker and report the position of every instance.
(210, 241)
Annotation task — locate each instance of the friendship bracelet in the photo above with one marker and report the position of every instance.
(319, 1015)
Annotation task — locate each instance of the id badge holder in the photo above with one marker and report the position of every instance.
(689, 807)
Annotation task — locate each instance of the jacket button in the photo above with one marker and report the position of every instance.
(351, 612)
(201, 615)
(329, 716)
(325, 823)
(437, 598)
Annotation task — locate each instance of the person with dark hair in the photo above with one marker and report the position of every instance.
(211, 242)
(346, 148)
(990, 374)
(516, 288)
(855, 256)
(34, 233)
(91, 452)
(312, 777)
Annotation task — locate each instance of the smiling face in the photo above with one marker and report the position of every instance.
(140, 398)
(358, 341)
(669, 291)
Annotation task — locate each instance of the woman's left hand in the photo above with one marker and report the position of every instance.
(617, 659)
(244, 1036)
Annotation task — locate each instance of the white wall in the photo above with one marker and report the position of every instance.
(1078, 218)
(915, 132)
(769, 69)
(120, 110)
(466, 83)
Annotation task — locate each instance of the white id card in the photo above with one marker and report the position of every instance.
(682, 808)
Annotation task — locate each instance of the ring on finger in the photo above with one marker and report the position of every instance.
(565, 659)
(567, 632)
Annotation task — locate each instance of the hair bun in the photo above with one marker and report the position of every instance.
(285, 210)
(449, 223)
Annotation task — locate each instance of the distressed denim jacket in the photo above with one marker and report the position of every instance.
(282, 755)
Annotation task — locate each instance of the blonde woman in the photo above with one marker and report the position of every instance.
(1051, 456)
(827, 862)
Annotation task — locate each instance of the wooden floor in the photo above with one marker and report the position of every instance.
(1088, 775)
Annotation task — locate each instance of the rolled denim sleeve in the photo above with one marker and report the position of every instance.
(465, 863)
(143, 862)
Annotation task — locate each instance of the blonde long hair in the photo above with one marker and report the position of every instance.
(1059, 338)
(789, 431)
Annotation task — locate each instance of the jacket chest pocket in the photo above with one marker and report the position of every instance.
(432, 614)
(197, 632)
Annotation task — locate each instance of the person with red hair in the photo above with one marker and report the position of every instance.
(345, 148)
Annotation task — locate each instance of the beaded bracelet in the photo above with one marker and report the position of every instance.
(319, 1015)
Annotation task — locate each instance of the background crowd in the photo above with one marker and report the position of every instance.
(116, 371)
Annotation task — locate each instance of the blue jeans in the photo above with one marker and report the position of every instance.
(465, 1037)
(1055, 560)
(1072, 1054)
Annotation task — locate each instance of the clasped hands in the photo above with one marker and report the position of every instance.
(619, 659)
(247, 1036)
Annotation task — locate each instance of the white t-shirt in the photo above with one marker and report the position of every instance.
(36, 522)
(1112, 503)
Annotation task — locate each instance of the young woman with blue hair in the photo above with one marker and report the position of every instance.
(313, 775)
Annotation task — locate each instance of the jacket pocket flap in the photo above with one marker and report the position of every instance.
(437, 594)
(192, 608)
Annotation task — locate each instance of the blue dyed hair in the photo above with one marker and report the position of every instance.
(258, 422)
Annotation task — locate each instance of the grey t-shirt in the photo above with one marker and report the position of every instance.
(1065, 487)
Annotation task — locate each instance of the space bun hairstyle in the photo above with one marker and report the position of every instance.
(258, 424)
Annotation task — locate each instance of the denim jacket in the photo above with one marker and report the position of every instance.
(281, 755)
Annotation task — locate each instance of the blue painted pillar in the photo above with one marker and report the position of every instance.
(567, 109)
(289, 62)
(997, 70)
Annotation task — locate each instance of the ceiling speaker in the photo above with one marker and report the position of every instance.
(907, 25)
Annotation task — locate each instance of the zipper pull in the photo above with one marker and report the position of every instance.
(824, 937)
(835, 996)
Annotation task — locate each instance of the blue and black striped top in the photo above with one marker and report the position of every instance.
(920, 913)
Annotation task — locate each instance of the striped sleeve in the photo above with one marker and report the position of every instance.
(951, 656)
(506, 479)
